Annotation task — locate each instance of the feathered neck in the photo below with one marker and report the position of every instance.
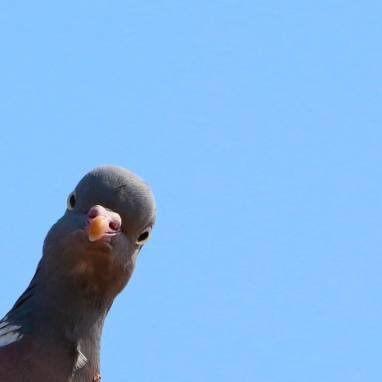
(62, 317)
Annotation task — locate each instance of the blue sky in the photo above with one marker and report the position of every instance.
(258, 126)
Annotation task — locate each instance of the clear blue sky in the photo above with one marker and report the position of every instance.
(258, 125)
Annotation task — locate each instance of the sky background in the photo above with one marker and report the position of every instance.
(258, 125)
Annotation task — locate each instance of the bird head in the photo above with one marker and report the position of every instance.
(93, 247)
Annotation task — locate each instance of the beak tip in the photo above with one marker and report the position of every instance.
(97, 227)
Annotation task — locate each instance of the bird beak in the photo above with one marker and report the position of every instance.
(102, 223)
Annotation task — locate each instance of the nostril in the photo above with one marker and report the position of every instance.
(114, 225)
(93, 212)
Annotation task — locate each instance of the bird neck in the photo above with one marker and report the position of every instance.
(59, 318)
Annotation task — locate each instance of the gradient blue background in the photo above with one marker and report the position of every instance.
(258, 126)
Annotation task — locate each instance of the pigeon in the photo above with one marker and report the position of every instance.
(53, 331)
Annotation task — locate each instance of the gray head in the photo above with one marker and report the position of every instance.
(94, 246)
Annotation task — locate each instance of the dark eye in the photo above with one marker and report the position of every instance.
(71, 201)
(143, 237)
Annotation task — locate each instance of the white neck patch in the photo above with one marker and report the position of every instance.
(81, 360)
(9, 333)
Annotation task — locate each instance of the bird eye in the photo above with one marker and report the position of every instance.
(71, 201)
(143, 237)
